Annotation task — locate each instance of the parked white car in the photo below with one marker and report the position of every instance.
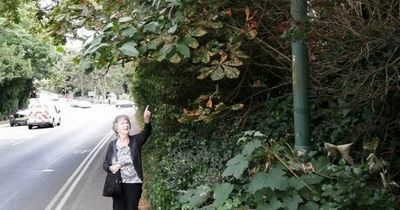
(124, 103)
(43, 114)
(81, 104)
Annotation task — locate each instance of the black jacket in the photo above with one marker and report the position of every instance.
(135, 144)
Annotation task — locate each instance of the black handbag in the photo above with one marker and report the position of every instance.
(113, 182)
(113, 185)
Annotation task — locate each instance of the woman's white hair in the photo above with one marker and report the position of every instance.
(119, 118)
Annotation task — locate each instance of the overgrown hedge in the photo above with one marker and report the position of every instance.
(354, 75)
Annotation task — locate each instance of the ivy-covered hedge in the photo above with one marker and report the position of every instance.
(211, 166)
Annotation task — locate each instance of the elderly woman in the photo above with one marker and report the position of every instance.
(124, 153)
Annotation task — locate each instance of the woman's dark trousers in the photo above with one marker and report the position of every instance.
(129, 200)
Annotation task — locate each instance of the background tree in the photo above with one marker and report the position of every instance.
(25, 57)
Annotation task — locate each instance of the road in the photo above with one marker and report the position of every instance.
(57, 168)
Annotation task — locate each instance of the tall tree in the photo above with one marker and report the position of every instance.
(25, 57)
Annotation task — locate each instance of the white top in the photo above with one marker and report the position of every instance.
(128, 172)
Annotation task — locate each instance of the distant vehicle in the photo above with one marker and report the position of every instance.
(74, 103)
(55, 98)
(81, 104)
(84, 104)
(124, 103)
(41, 114)
(19, 118)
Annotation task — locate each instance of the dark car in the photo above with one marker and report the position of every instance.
(19, 118)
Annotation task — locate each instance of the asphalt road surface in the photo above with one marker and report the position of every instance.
(61, 167)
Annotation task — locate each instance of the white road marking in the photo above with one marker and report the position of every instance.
(85, 164)
(81, 151)
(19, 142)
(8, 199)
(52, 162)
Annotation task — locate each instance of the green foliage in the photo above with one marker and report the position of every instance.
(23, 58)
(15, 80)
(14, 95)
(13, 65)
(196, 197)
(236, 166)
(287, 184)
(9, 10)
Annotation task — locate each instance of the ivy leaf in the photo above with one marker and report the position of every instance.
(125, 19)
(129, 49)
(191, 42)
(221, 193)
(311, 179)
(60, 17)
(183, 49)
(198, 32)
(153, 44)
(164, 51)
(258, 182)
(241, 54)
(201, 56)
(96, 41)
(292, 201)
(273, 204)
(250, 147)
(152, 27)
(295, 183)
(108, 26)
(196, 197)
(231, 72)
(236, 166)
(252, 34)
(320, 163)
(60, 49)
(175, 58)
(173, 29)
(310, 205)
(275, 180)
(142, 49)
(175, 2)
(85, 64)
(204, 72)
(128, 32)
(217, 74)
(76, 60)
(234, 62)
(94, 48)
(236, 107)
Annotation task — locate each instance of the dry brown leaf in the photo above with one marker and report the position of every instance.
(229, 12)
(209, 103)
(308, 168)
(257, 83)
(344, 151)
(224, 56)
(330, 148)
(247, 14)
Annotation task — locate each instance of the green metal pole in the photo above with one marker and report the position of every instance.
(300, 77)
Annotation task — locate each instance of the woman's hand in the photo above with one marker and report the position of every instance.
(147, 115)
(114, 168)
